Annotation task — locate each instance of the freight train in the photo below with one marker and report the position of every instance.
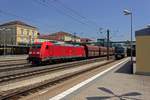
(51, 51)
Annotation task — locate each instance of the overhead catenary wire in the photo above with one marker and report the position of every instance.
(14, 15)
(31, 20)
(70, 14)
(18, 16)
(9, 14)
(63, 12)
(65, 6)
(43, 3)
(75, 12)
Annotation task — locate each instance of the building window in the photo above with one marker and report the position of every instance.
(62, 38)
(21, 31)
(21, 39)
(32, 40)
(27, 32)
(25, 40)
(32, 33)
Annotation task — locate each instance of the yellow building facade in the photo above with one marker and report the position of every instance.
(17, 33)
(143, 51)
(71, 38)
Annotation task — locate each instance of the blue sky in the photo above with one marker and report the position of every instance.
(84, 17)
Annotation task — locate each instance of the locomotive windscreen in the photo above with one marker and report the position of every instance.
(119, 50)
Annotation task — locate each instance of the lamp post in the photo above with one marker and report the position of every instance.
(108, 44)
(127, 12)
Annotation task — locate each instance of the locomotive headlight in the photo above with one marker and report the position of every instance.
(37, 52)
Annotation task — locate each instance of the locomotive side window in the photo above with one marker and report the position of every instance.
(36, 46)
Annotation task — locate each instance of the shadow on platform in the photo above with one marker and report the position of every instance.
(127, 69)
(112, 95)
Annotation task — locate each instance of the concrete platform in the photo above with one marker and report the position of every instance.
(118, 84)
(12, 57)
(46, 77)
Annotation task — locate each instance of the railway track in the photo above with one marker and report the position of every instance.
(15, 67)
(17, 74)
(8, 75)
(11, 60)
(12, 63)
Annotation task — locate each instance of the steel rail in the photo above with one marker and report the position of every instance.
(25, 89)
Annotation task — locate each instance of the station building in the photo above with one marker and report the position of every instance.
(16, 37)
(17, 33)
(142, 51)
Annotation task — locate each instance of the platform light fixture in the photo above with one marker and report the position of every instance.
(129, 13)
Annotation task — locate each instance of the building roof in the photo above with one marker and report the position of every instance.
(87, 39)
(63, 33)
(17, 23)
(143, 32)
(47, 37)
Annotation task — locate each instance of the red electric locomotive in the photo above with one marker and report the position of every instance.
(48, 51)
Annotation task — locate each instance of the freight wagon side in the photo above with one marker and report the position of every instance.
(92, 51)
